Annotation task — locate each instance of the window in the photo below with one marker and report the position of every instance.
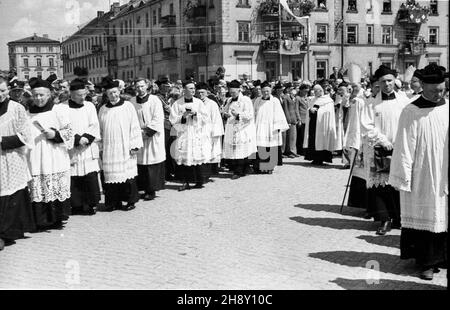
(148, 73)
(121, 29)
(161, 44)
(321, 33)
(154, 17)
(123, 76)
(296, 69)
(123, 52)
(25, 62)
(433, 35)
(270, 31)
(213, 33)
(322, 4)
(370, 34)
(386, 6)
(155, 45)
(172, 41)
(38, 62)
(243, 3)
(139, 37)
(130, 26)
(433, 7)
(211, 5)
(131, 51)
(171, 10)
(138, 20)
(38, 49)
(352, 34)
(51, 62)
(270, 70)
(27, 77)
(433, 61)
(39, 75)
(147, 20)
(321, 69)
(386, 35)
(148, 47)
(243, 31)
(159, 14)
(50, 49)
(352, 6)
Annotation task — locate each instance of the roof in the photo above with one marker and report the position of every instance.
(34, 39)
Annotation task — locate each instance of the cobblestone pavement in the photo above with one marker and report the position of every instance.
(280, 231)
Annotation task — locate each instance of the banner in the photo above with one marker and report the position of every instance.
(285, 5)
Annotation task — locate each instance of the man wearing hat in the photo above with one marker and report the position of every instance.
(16, 216)
(49, 158)
(378, 128)
(270, 123)
(152, 157)
(192, 148)
(215, 124)
(84, 156)
(240, 131)
(121, 141)
(292, 113)
(419, 170)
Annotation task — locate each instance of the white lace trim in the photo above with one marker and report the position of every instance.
(434, 226)
(50, 187)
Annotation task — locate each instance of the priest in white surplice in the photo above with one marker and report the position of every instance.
(214, 126)
(379, 122)
(240, 131)
(192, 148)
(320, 131)
(270, 122)
(121, 141)
(49, 157)
(419, 169)
(84, 156)
(152, 157)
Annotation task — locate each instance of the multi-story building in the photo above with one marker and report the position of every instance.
(155, 38)
(87, 48)
(35, 56)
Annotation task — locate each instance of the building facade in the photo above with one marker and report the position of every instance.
(177, 39)
(35, 56)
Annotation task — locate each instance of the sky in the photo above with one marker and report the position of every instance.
(57, 18)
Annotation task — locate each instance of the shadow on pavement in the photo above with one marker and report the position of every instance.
(350, 211)
(386, 240)
(309, 165)
(385, 284)
(336, 223)
(386, 262)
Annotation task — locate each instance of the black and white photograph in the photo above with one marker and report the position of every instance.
(224, 145)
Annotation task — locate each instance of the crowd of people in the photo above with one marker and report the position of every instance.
(63, 143)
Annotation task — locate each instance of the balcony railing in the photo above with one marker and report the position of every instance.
(286, 46)
(270, 8)
(413, 48)
(111, 39)
(196, 48)
(412, 13)
(270, 45)
(197, 12)
(169, 21)
(113, 63)
(96, 49)
(170, 52)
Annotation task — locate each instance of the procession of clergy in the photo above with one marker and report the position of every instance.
(53, 156)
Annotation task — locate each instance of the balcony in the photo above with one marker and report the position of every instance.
(170, 52)
(270, 46)
(413, 48)
(168, 21)
(96, 49)
(113, 63)
(196, 48)
(196, 12)
(286, 46)
(269, 9)
(111, 39)
(412, 13)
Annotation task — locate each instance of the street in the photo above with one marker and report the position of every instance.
(267, 232)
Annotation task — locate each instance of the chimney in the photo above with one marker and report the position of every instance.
(115, 7)
(45, 35)
(100, 14)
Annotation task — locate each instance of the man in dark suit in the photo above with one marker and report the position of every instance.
(336, 74)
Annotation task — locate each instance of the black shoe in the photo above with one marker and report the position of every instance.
(184, 187)
(384, 228)
(129, 207)
(91, 211)
(235, 177)
(198, 185)
(427, 273)
(148, 197)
